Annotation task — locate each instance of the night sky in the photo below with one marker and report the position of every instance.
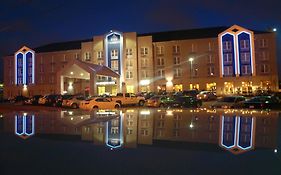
(37, 22)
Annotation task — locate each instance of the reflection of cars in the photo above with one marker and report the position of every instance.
(206, 95)
(33, 100)
(72, 102)
(229, 102)
(159, 101)
(262, 102)
(98, 103)
(186, 102)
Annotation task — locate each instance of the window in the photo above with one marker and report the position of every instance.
(193, 48)
(263, 43)
(144, 132)
(227, 45)
(160, 62)
(264, 55)
(129, 131)
(227, 58)
(245, 44)
(52, 68)
(129, 52)
(264, 68)
(210, 59)
(159, 50)
(228, 70)
(100, 62)
(176, 49)
(211, 70)
(41, 70)
(100, 54)
(245, 57)
(87, 56)
(177, 72)
(160, 72)
(114, 54)
(144, 74)
(144, 62)
(41, 60)
(246, 69)
(114, 65)
(209, 46)
(76, 56)
(129, 74)
(129, 63)
(176, 60)
(52, 79)
(144, 51)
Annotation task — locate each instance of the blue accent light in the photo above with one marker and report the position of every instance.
(248, 144)
(244, 36)
(230, 38)
(24, 125)
(114, 140)
(224, 142)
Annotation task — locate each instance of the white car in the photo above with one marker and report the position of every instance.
(72, 102)
(98, 103)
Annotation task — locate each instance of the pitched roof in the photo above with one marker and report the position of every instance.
(211, 32)
(61, 46)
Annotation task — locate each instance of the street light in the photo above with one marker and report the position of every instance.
(191, 60)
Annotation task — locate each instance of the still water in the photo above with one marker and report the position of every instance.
(141, 141)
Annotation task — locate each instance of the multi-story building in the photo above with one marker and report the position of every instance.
(227, 60)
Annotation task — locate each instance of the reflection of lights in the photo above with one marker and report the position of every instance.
(191, 125)
(71, 118)
(275, 151)
(169, 112)
(145, 112)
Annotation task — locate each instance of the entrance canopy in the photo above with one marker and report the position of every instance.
(82, 70)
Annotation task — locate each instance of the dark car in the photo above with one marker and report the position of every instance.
(186, 102)
(229, 102)
(51, 100)
(18, 99)
(159, 101)
(192, 93)
(262, 102)
(60, 99)
(33, 100)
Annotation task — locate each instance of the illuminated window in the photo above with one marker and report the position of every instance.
(159, 50)
(209, 46)
(245, 57)
(160, 61)
(129, 52)
(246, 69)
(129, 63)
(41, 70)
(144, 51)
(87, 56)
(129, 74)
(114, 54)
(176, 49)
(264, 68)
(100, 54)
(245, 44)
(227, 58)
(160, 72)
(114, 130)
(228, 70)
(227, 45)
(76, 56)
(177, 72)
(144, 74)
(176, 60)
(100, 62)
(129, 131)
(114, 65)
(144, 62)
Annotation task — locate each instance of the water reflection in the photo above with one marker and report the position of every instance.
(233, 130)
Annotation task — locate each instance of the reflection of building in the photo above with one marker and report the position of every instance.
(228, 60)
(236, 131)
(237, 134)
(24, 125)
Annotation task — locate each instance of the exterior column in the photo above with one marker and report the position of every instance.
(93, 86)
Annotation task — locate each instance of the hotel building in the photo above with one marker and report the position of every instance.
(228, 60)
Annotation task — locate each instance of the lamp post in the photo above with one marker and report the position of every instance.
(191, 60)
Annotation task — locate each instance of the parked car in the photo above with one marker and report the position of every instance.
(229, 102)
(33, 100)
(49, 99)
(157, 101)
(206, 95)
(192, 93)
(186, 102)
(128, 99)
(73, 101)
(60, 99)
(262, 102)
(18, 99)
(98, 103)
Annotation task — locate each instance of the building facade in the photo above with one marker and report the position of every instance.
(228, 60)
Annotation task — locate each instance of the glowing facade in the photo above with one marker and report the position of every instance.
(24, 125)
